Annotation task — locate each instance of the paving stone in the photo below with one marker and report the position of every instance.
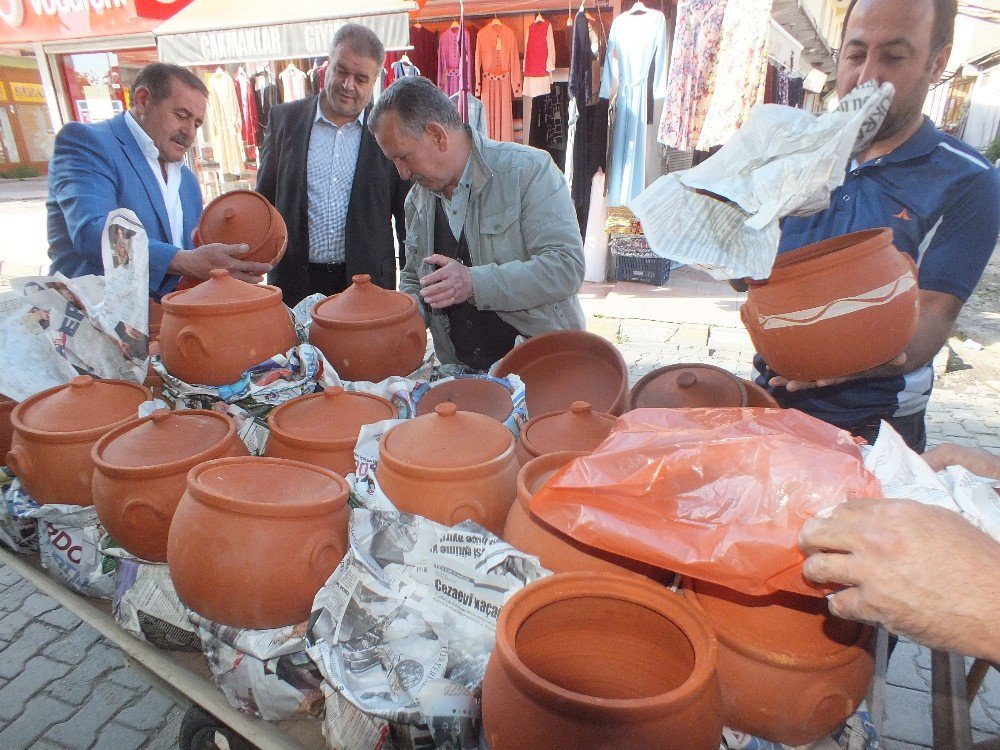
(721, 338)
(72, 648)
(104, 703)
(909, 666)
(607, 328)
(38, 604)
(37, 674)
(167, 737)
(61, 618)
(638, 332)
(39, 712)
(150, 711)
(908, 716)
(117, 737)
(14, 596)
(31, 641)
(99, 661)
(8, 577)
(691, 335)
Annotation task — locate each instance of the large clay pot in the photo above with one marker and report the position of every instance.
(6, 429)
(214, 332)
(245, 217)
(757, 396)
(369, 333)
(323, 428)
(450, 466)
(253, 539)
(55, 431)
(806, 319)
(141, 468)
(687, 386)
(587, 661)
(561, 367)
(556, 551)
(790, 671)
(578, 429)
(480, 395)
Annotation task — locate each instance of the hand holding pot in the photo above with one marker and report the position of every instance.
(919, 570)
(875, 372)
(450, 284)
(198, 262)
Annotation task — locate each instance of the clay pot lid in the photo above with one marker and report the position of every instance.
(469, 394)
(579, 428)
(163, 438)
(82, 404)
(363, 302)
(688, 385)
(244, 217)
(448, 439)
(219, 290)
(334, 414)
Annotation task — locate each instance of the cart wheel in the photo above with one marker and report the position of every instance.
(202, 731)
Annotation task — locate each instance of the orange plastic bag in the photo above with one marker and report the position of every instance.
(716, 494)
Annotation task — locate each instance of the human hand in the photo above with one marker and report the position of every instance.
(450, 284)
(801, 385)
(198, 262)
(919, 570)
(976, 460)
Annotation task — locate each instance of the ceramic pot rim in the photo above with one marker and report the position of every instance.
(545, 462)
(435, 473)
(187, 310)
(71, 436)
(632, 589)
(355, 325)
(650, 376)
(526, 428)
(245, 507)
(790, 660)
(319, 444)
(165, 469)
(859, 243)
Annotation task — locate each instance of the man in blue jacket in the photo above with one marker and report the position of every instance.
(134, 161)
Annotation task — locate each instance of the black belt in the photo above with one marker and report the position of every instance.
(328, 267)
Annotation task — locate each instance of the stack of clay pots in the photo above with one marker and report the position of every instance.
(578, 428)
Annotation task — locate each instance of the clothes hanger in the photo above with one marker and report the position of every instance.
(539, 18)
(454, 24)
(638, 8)
(405, 59)
(495, 21)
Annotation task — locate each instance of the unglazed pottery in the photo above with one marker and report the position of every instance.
(450, 466)
(6, 430)
(141, 468)
(687, 386)
(579, 428)
(214, 332)
(155, 320)
(806, 319)
(369, 333)
(757, 396)
(253, 539)
(469, 394)
(790, 671)
(55, 430)
(557, 551)
(587, 661)
(245, 217)
(323, 428)
(561, 367)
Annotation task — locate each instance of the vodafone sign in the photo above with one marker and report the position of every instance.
(12, 12)
(23, 21)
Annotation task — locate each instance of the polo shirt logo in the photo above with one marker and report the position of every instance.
(902, 215)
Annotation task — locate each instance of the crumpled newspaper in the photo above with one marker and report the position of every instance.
(17, 532)
(722, 214)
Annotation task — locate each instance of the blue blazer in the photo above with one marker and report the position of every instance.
(95, 169)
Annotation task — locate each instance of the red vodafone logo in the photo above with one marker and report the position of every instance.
(12, 12)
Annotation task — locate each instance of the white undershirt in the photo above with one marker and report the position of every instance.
(169, 189)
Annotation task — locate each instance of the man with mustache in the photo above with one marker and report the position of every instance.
(134, 161)
(323, 171)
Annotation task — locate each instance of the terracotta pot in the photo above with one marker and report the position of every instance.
(323, 428)
(214, 332)
(55, 430)
(586, 661)
(155, 320)
(790, 671)
(561, 367)
(757, 396)
(805, 320)
(478, 395)
(253, 539)
(578, 429)
(6, 429)
(369, 333)
(141, 468)
(556, 551)
(450, 466)
(687, 386)
(245, 217)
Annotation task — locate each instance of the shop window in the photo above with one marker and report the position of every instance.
(8, 147)
(37, 130)
(99, 84)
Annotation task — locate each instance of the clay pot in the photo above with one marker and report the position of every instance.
(806, 319)
(6, 429)
(556, 551)
(586, 661)
(687, 386)
(561, 367)
(478, 395)
(141, 468)
(155, 321)
(369, 333)
(757, 396)
(578, 429)
(253, 539)
(55, 430)
(790, 671)
(450, 466)
(214, 332)
(323, 428)
(245, 217)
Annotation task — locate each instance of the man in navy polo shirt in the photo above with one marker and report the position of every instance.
(940, 197)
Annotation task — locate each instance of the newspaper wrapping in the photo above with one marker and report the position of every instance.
(265, 673)
(722, 214)
(16, 531)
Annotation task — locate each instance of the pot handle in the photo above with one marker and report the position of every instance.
(18, 462)
(416, 340)
(468, 511)
(324, 555)
(188, 339)
(138, 514)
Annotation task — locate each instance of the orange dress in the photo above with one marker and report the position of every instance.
(498, 78)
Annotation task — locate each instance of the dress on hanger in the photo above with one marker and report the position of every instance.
(266, 89)
(449, 60)
(246, 98)
(425, 50)
(539, 59)
(637, 43)
(226, 123)
(403, 68)
(293, 84)
(498, 78)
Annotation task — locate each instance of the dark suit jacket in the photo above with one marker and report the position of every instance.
(377, 197)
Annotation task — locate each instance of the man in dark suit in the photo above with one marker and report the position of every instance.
(324, 172)
(133, 161)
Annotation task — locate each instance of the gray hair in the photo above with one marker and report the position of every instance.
(361, 40)
(417, 102)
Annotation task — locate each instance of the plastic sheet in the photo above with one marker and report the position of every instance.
(716, 494)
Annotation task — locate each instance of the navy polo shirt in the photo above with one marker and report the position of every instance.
(941, 198)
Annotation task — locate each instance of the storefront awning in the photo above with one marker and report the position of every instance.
(210, 32)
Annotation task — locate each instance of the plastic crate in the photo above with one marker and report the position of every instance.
(644, 269)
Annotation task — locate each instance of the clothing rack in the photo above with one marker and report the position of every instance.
(524, 8)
